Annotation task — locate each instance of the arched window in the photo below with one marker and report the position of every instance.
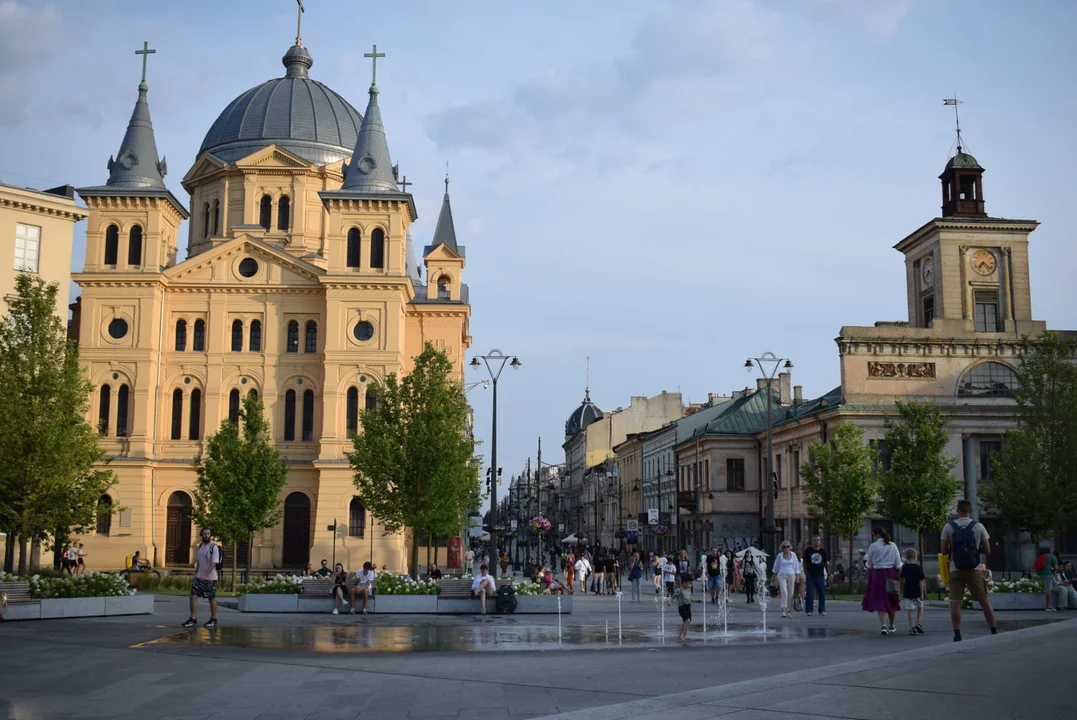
(252, 393)
(112, 244)
(181, 335)
(353, 248)
(233, 406)
(199, 336)
(377, 248)
(237, 335)
(284, 212)
(255, 343)
(104, 405)
(265, 212)
(312, 337)
(444, 288)
(308, 415)
(177, 414)
(134, 246)
(352, 412)
(371, 399)
(293, 337)
(356, 518)
(104, 515)
(216, 217)
(194, 423)
(123, 399)
(989, 379)
(205, 221)
(289, 416)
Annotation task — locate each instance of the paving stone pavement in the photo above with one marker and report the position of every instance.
(102, 668)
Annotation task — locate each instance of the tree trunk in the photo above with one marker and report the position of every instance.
(250, 554)
(849, 573)
(23, 558)
(9, 552)
(35, 553)
(235, 559)
(413, 557)
(436, 548)
(429, 540)
(920, 548)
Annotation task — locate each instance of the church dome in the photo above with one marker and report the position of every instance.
(299, 114)
(583, 416)
(962, 160)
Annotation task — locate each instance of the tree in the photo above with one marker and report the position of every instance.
(240, 478)
(918, 488)
(1033, 482)
(840, 487)
(412, 460)
(49, 480)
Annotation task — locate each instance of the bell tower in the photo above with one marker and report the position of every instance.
(962, 187)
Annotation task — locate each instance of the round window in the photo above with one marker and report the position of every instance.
(248, 267)
(363, 331)
(117, 328)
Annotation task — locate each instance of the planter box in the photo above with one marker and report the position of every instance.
(309, 604)
(413, 604)
(269, 603)
(137, 604)
(542, 604)
(23, 611)
(464, 606)
(72, 607)
(1016, 601)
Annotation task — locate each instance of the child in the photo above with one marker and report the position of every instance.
(683, 594)
(913, 589)
(751, 577)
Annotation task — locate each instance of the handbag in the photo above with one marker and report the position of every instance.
(893, 586)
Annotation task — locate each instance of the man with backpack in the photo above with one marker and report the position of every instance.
(965, 540)
(1046, 567)
(207, 563)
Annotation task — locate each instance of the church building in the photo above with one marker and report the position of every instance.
(300, 285)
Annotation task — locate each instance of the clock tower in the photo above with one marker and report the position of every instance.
(967, 272)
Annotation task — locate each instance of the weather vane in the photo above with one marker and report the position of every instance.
(957, 118)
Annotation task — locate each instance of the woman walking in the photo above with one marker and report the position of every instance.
(786, 567)
(883, 561)
(730, 574)
(635, 576)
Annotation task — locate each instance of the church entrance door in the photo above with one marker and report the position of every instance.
(178, 534)
(296, 531)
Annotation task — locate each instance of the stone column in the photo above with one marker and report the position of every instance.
(971, 491)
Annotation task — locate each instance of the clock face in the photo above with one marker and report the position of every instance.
(928, 272)
(983, 262)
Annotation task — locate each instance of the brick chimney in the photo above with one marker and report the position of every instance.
(797, 395)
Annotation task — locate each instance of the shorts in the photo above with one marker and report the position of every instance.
(973, 580)
(685, 611)
(81, 563)
(204, 588)
(1048, 583)
(913, 603)
(714, 582)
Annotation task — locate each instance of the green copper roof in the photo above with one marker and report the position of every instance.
(963, 161)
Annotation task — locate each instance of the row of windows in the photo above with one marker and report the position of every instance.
(134, 245)
(194, 420)
(284, 212)
(254, 336)
(104, 410)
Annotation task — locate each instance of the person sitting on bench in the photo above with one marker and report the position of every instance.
(483, 585)
(364, 584)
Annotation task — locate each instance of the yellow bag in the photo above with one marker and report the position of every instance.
(944, 569)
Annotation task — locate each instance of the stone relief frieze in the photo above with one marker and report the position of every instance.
(915, 371)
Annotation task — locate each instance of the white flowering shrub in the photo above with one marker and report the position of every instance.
(389, 584)
(529, 588)
(90, 584)
(1032, 585)
(279, 585)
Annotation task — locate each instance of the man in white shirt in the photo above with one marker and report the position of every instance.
(205, 580)
(483, 585)
(364, 585)
(582, 569)
(669, 577)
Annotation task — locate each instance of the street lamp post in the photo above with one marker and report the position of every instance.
(495, 362)
(768, 364)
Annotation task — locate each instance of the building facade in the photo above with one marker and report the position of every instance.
(300, 285)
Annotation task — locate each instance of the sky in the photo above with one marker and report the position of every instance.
(666, 188)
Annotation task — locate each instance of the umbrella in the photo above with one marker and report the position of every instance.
(573, 540)
(755, 552)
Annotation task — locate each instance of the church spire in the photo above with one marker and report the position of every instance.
(136, 164)
(445, 231)
(371, 169)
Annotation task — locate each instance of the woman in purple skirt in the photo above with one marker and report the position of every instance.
(884, 567)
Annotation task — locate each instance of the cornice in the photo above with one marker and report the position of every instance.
(921, 347)
(993, 225)
(74, 213)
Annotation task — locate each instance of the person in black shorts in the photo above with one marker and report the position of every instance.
(683, 596)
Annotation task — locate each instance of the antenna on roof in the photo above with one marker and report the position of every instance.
(957, 118)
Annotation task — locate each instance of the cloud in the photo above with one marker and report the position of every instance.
(882, 17)
(28, 38)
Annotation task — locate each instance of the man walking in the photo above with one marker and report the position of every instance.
(816, 569)
(965, 540)
(205, 580)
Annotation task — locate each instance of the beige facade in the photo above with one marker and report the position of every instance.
(36, 233)
(300, 286)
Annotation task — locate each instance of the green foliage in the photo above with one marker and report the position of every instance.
(918, 489)
(389, 584)
(280, 585)
(240, 478)
(412, 460)
(49, 486)
(529, 588)
(1033, 482)
(90, 584)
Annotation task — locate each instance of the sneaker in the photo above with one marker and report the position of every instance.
(912, 631)
(211, 624)
(893, 629)
(822, 613)
(957, 636)
(884, 630)
(919, 629)
(1049, 609)
(808, 614)
(336, 612)
(191, 622)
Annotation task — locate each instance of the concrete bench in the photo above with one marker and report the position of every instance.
(18, 593)
(461, 589)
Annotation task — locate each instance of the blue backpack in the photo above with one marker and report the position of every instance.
(964, 550)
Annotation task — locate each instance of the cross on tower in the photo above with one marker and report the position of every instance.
(299, 22)
(404, 184)
(446, 177)
(144, 52)
(374, 71)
